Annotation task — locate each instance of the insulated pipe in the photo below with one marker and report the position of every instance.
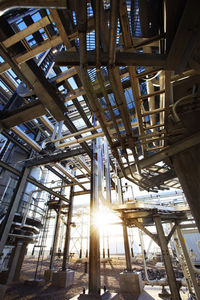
(47, 123)
(77, 133)
(26, 138)
(81, 140)
(6, 5)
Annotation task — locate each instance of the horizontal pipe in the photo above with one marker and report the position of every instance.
(26, 138)
(77, 133)
(6, 5)
(22, 236)
(81, 140)
(47, 123)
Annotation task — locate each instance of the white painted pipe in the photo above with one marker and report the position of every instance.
(77, 133)
(26, 138)
(81, 140)
(47, 123)
(6, 5)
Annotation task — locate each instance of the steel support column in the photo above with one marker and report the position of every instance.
(167, 261)
(127, 248)
(20, 261)
(188, 262)
(94, 255)
(56, 235)
(68, 230)
(14, 262)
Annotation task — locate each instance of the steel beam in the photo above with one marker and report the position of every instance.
(167, 261)
(32, 181)
(48, 158)
(23, 114)
(123, 58)
(68, 230)
(169, 151)
(127, 248)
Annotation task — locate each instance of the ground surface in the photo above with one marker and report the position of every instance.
(109, 278)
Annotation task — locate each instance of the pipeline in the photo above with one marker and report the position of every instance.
(7, 5)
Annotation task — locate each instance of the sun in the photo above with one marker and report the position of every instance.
(104, 217)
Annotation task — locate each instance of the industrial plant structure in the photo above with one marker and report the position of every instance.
(98, 97)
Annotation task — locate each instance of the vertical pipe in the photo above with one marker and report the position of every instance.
(94, 254)
(127, 248)
(167, 261)
(68, 230)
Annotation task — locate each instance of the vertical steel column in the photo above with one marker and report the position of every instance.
(167, 261)
(94, 254)
(127, 248)
(68, 230)
(12, 209)
(20, 261)
(14, 263)
(188, 262)
(107, 171)
(56, 234)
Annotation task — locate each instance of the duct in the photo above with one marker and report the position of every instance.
(26, 138)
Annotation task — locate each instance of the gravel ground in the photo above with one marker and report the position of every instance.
(109, 278)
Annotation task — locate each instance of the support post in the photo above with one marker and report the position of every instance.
(127, 248)
(94, 254)
(15, 261)
(188, 262)
(68, 230)
(167, 261)
(56, 235)
(20, 261)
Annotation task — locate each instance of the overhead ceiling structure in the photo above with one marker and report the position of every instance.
(126, 70)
